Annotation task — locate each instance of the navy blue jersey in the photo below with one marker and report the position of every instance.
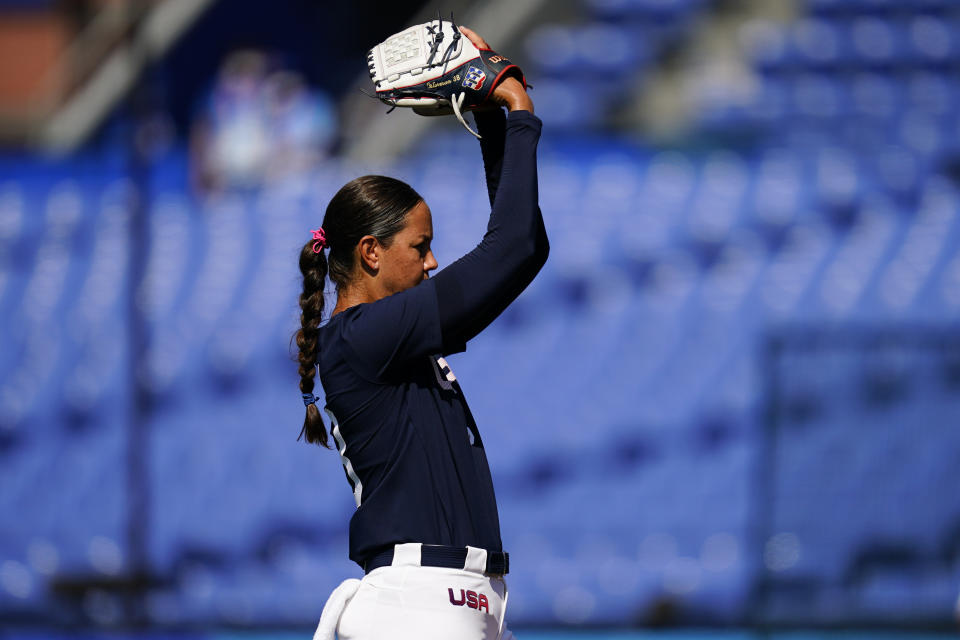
(409, 445)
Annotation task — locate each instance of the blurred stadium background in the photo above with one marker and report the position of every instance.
(730, 401)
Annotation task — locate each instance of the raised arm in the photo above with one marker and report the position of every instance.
(492, 125)
(491, 122)
(475, 289)
(446, 311)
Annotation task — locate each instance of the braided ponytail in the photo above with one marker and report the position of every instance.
(313, 266)
(368, 205)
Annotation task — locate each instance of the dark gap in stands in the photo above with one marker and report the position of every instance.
(884, 557)
(574, 292)
(640, 272)
(630, 452)
(951, 167)
(707, 252)
(514, 317)
(72, 593)
(162, 401)
(883, 388)
(842, 215)
(228, 381)
(80, 420)
(661, 613)
(950, 546)
(10, 440)
(539, 475)
(774, 235)
(714, 433)
(801, 408)
(950, 370)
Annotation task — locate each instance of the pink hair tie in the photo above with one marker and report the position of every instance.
(321, 240)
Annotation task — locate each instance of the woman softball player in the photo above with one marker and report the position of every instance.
(426, 530)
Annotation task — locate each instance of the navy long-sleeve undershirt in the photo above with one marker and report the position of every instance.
(475, 289)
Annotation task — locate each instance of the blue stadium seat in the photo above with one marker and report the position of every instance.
(932, 41)
(875, 96)
(818, 44)
(931, 93)
(813, 96)
(877, 43)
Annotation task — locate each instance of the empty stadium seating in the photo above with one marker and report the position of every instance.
(623, 399)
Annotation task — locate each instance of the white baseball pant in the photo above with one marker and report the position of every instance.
(406, 601)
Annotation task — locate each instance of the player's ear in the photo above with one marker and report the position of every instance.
(369, 252)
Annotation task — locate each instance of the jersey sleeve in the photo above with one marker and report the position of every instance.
(492, 126)
(392, 331)
(475, 289)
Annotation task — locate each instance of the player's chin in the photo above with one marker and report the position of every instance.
(412, 284)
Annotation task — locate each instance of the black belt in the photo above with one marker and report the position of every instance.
(434, 555)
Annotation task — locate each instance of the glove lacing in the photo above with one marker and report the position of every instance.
(456, 103)
(438, 38)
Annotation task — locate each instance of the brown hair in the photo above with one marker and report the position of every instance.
(366, 206)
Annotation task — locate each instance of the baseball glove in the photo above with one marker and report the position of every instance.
(436, 70)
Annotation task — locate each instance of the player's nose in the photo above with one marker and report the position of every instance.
(430, 262)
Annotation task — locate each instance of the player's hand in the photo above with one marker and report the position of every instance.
(475, 38)
(510, 93)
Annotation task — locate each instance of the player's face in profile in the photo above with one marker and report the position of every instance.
(409, 260)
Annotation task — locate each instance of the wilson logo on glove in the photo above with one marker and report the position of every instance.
(421, 67)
